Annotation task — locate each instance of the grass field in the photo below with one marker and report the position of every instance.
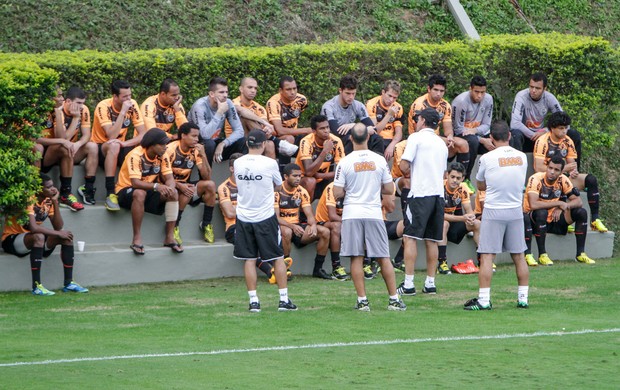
(200, 335)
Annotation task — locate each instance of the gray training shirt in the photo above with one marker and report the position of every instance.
(467, 114)
(529, 115)
(211, 123)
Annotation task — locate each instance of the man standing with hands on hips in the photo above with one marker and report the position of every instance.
(257, 230)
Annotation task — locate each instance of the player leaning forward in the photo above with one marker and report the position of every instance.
(257, 230)
(361, 178)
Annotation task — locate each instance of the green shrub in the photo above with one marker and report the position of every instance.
(25, 99)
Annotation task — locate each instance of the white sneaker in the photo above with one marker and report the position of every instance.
(286, 148)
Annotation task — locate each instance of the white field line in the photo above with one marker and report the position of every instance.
(314, 346)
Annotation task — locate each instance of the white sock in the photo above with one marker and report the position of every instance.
(522, 293)
(409, 281)
(253, 296)
(360, 299)
(430, 281)
(484, 296)
(283, 294)
(394, 297)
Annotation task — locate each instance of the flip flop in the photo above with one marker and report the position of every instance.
(176, 248)
(137, 249)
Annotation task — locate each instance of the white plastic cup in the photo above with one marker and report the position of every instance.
(81, 245)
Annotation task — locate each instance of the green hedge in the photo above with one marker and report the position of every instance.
(583, 71)
(25, 99)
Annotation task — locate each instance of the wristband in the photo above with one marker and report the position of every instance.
(155, 187)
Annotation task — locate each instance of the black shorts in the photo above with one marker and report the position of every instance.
(560, 227)
(254, 239)
(45, 168)
(297, 239)
(457, 232)
(391, 227)
(152, 204)
(320, 187)
(8, 245)
(121, 155)
(230, 234)
(424, 216)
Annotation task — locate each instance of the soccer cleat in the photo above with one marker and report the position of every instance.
(571, 229)
(470, 187)
(289, 276)
(583, 258)
(474, 305)
(429, 290)
(207, 232)
(321, 274)
(287, 149)
(40, 290)
(288, 261)
(340, 274)
(399, 266)
(88, 197)
(362, 305)
(272, 278)
(396, 305)
(287, 306)
(522, 305)
(443, 268)
(401, 290)
(254, 307)
(111, 203)
(368, 274)
(177, 235)
(530, 260)
(494, 267)
(71, 202)
(544, 259)
(472, 267)
(74, 287)
(598, 225)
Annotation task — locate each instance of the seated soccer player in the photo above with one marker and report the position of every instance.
(111, 121)
(319, 153)
(402, 182)
(227, 195)
(185, 154)
(434, 99)
(552, 203)
(145, 183)
(387, 115)
(210, 113)
(329, 214)
(395, 229)
(165, 110)
(557, 143)
(39, 241)
(290, 202)
(66, 141)
(459, 217)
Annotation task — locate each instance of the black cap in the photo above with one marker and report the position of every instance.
(256, 137)
(154, 136)
(431, 117)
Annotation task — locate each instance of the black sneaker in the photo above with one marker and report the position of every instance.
(401, 290)
(429, 290)
(397, 305)
(321, 274)
(254, 307)
(287, 306)
(88, 197)
(443, 268)
(474, 305)
(363, 305)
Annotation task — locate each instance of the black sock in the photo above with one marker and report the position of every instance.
(109, 185)
(318, 262)
(264, 266)
(403, 198)
(207, 215)
(367, 260)
(65, 185)
(36, 257)
(528, 238)
(442, 252)
(580, 216)
(179, 217)
(400, 255)
(335, 259)
(593, 195)
(89, 183)
(463, 158)
(66, 255)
